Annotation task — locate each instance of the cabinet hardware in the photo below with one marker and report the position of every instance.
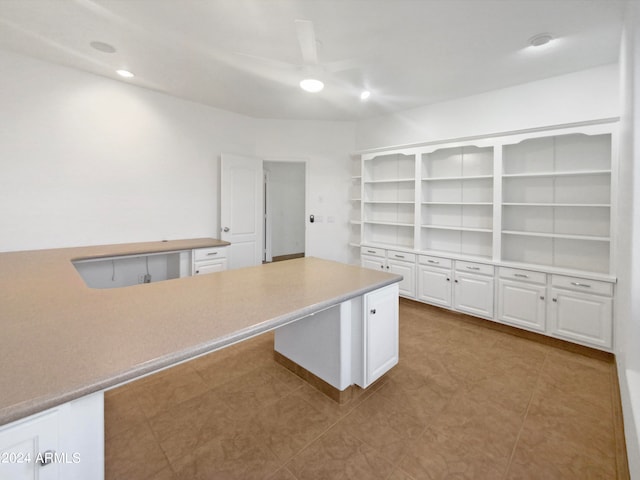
(387, 267)
(382, 266)
(212, 253)
(399, 256)
(448, 279)
(555, 300)
(46, 458)
(373, 311)
(541, 298)
(197, 271)
(578, 284)
(371, 251)
(456, 281)
(521, 275)
(433, 261)
(473, 268)
(225, 229)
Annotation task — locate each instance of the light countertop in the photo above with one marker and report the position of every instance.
(60, 339)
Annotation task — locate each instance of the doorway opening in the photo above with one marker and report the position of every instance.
(284, 210)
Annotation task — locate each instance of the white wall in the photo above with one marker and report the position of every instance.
(286, 202)
(579, 96)
(90, 160)
(628, 239)
(325, 146)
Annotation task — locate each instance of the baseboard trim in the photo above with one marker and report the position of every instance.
(340, 396)
(291, 256)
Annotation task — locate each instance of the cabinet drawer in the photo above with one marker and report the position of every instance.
(470, 267)
(435, 261)
(407, 257)
(203, 268)
(200, 254)
(523, 275)
(582, 285)
(376, 252)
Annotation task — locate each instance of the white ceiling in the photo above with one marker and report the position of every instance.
(243, 55)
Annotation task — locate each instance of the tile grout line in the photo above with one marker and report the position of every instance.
(524, 418)
(321, 434)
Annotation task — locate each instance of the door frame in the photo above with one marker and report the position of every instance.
(267, 257)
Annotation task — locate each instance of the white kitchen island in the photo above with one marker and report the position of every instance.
(63, 344)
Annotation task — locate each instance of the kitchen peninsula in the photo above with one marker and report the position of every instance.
(64, 343)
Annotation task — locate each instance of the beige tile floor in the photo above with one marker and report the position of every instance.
(465, 402)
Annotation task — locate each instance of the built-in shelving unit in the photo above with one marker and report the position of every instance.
(556, 208)
(355, 210)
(456, 215)
(515, 227)
(521, 199)
(388, 200)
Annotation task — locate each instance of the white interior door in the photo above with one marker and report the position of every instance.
(241, 209)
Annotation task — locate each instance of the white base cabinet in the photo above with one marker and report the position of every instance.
(209, 260)
(571, 308)
(24, 445)
(522, 299)
(522, 304)
(400, 263)
(380, 333)
(355, 342)
(434, 285)
(473, 292)
(63, 443)
(581, 317)
(434, 280)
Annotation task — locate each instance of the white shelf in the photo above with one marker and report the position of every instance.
(391, 246)
(456, 255)
(470, 177)
(356, 177)
(459, 203)
(391, 180)
(593, 238)
(355, 222)
(591, 205)
(390, 202)
(462, 229)
(355, 199)
(572, 173)
(393, 224)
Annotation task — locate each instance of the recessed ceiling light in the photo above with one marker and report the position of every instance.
(311, 85)
(125, 73)
(103, 47)
(364, 95)
(540, 39)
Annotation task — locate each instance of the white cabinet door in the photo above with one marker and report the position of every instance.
(408, 272)
(434, 285)
(217, 266)
(581, 317)
(522, 304)
(374, 263)
(473, 294)
(24, 443)
(380, 332)
(242, 209)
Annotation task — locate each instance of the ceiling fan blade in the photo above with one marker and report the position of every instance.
(307, 40)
